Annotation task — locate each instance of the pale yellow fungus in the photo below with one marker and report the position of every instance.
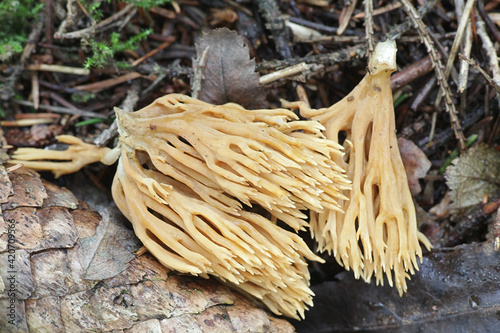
(375, 232)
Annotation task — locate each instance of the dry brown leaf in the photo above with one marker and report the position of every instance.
(416, 163)
(34, 136)
(472, 177)
(58, 249)
(228, 73)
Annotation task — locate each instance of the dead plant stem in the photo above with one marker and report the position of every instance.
(438, 68)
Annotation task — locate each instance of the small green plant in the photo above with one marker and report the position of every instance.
(102, 52)
(15, 14)
(147, 3)
(82, 97)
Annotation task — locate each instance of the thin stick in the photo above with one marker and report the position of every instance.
(378, 11)
(347, 17)
(464, 65)
(396, 32)
(35, 90)
(456, 43)
(168, 41)
(285, 72)
(105, 84)
(59, 109)
(490, 50)
(369, 25)
(58, 68)
(128, 105)
(26, 122)
(199, 69)
(488, 78)
(438, 68)
(93, 29)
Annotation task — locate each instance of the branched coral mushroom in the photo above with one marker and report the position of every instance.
(183, 165)
(376, 230)
(186, 172)
(256, 156)
(61, 162)
(189, 169)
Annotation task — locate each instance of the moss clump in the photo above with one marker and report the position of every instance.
(15, 14)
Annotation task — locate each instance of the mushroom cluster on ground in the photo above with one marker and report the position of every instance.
(192, 175)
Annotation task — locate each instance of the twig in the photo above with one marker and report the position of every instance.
(424, 92)
(347, 17)
(476, 66)
(438, 68)
(369, 25)
(458, 37)
(59, 109)
(199, 69)
(58, 68)
(378, 11)
(128, 105)
(351, 54)
(59, 99)
(26, 122)
(396, 32)
(487, 20)
(93, 29)
(239, 7)
(411, 73)
(285, 72)
(471, 118)
(275, 23)
(127, 19)
(354, 54)
(456, 42)
(168, 41)
(490, 50)
(464, 65)
(35, 90)
(322, 27)
(105, 84)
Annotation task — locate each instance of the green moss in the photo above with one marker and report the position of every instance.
(15, 14)
(103, 52)
(147, 3)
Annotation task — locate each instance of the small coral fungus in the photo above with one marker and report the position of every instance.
(376, 229)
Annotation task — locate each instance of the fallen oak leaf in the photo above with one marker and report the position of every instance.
(227, 72)
(416, 163)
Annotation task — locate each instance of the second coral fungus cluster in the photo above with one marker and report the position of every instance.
(376, 230)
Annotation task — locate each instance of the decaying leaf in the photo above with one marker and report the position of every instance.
(415, 162)
(75, 272)
(227, 73)
(472, 177)
(455, 291)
